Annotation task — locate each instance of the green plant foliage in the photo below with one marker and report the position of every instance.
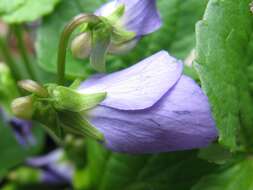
(109, 171)
(223, 48)
(7, 6)
(12, 153)
(19, 11)
(238, 176)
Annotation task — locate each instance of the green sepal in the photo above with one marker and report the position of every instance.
(75, 84)
(56, 133)
(75, 123)
(46, 114)
(101, 37)
(121, 35)
(64, 98)
(84, 27)
(117, 14)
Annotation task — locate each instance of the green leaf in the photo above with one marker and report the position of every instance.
(223, 48)
(19, 11)
(215, 153)
(113, 171)
(49, 34)
(7, 6)
(239, 176)
(12, 153)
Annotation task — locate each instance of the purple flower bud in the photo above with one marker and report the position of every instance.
(140, 16)
(55, 170)
(151, 107)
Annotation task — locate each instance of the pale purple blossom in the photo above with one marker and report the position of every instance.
(54, 168)
(129, 21)
(22, 129)
(140, 16)
(151, 107)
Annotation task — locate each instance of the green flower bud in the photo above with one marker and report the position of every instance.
(25, 175)
(59, 108)
(33, 87)
(23, 107)
(81, 45)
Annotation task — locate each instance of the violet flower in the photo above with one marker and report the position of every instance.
(21, 129)
(131, 19)
(140, 16)
(54, 168)
(151, 107)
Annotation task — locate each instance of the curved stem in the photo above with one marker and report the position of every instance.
(64, 39)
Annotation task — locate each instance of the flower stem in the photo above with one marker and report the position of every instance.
(8, 59)
(23, 51)
(64, 39)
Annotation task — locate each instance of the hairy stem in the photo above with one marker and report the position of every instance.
(64, 39)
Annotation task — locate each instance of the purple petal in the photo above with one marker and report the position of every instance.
(141, 16)
(50, 178)
(22, 131)
(64, 170)
(46, 160)
(137, 87)
(180, 120)
(53, 167)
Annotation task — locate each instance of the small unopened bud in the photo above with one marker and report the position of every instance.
(81, 45)
(33, 87)
(25, 175)
(23, 107)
